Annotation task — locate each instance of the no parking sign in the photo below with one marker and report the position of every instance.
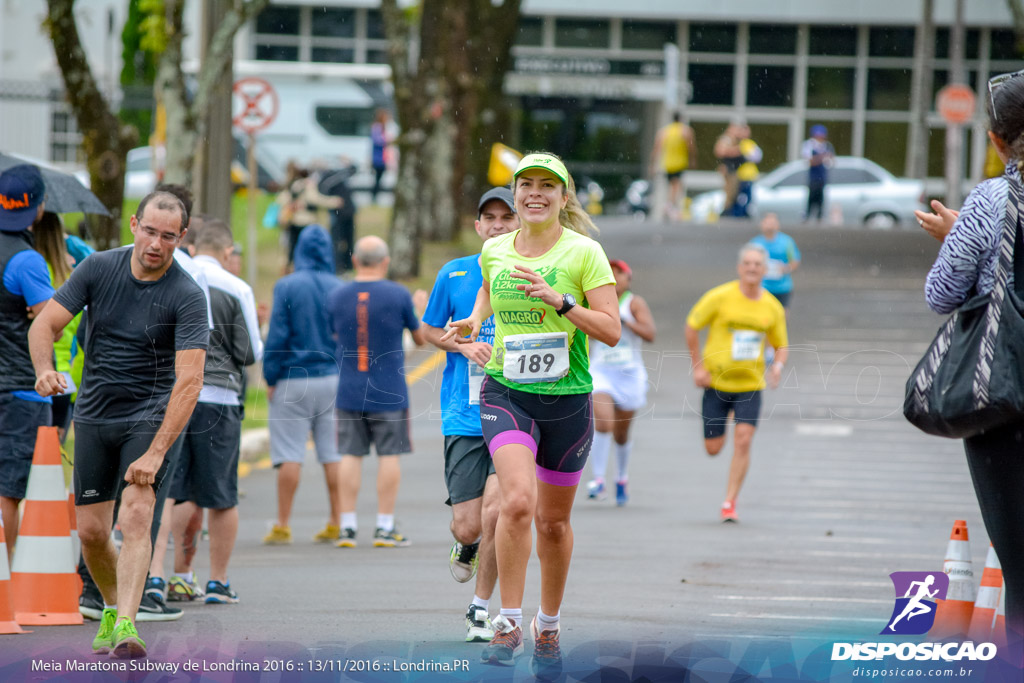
(255, 104)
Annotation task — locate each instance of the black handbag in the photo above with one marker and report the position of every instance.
(971, 379)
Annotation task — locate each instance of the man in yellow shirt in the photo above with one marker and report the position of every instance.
(740, 316)
(675, 147)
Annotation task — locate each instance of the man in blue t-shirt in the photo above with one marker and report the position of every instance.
(783, 259)
(468, 470)
(368, 317)
(24, 290)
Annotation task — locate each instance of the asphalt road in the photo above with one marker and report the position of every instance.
(841, 492)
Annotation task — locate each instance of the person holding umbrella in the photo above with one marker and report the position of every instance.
(24, 290)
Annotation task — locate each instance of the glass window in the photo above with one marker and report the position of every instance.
(889, 89)
(278, 20)
(891, 41)
(582, 32)
(885, 143)
(852, 176)
(712, 37)
(375, 24)
(830, 87)
(1004, 44)
(711, 83)
(542, 127)
(705, 133)
(277, 53)
(772, 39)
(937, 152)
(531, 31)
(333, 54)
(972, 40)
(334, 22)
(840, 134)
(771, 138)
(647, 35)
(376, 56)
(345, 120)
(770, 86)
(61, 122)
(793, 179)
(839, 41)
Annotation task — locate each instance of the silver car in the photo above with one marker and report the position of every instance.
(859, 191)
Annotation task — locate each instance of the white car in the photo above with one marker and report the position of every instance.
(859, 191)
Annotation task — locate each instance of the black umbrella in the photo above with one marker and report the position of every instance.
(64, 192)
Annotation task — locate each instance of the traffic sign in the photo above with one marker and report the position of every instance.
(255, 104)
(955, 103)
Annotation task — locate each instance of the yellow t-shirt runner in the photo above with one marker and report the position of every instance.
(675, 155)
(574, 265)
(737, 329)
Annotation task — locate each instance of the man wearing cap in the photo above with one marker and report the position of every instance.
(24, 291)
(620, 386)
(148, 332)
(819, 153)
(468, 470)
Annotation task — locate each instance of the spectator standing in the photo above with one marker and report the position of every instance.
(380, 138)
(819, 153)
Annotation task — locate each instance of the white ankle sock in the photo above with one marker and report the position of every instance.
(348, 520)
(386, 522)
(546, 623)
(513, 615)
(599, 454)
(480, 602)
(622, 452)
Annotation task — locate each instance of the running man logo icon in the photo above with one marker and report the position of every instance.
(916, 593)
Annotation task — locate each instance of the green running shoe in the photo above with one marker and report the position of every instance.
(102, 643)
(127, 643)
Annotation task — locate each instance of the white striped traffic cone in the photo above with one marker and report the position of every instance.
(999, 625)
(987, 603)
(7, 622)
(953, 615)
(46, 585)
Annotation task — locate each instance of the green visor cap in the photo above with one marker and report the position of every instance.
(546, 162)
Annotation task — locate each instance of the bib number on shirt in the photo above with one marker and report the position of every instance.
(531, 358)
(746, 344)
(476, 382)
(620, 354)
(776, 269)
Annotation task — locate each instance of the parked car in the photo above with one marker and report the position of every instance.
(858, 191)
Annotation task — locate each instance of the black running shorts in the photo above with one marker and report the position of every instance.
(745, 407)
(103, 453)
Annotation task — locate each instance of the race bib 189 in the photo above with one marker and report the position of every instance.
(531, 358)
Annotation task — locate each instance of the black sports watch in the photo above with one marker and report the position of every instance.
(568, 303)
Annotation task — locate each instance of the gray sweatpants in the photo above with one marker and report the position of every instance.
(298, 407)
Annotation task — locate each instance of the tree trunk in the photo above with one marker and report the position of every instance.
(105, 139)
(1017, 12)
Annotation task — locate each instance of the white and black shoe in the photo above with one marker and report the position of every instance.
(151, 609)
(478, 625)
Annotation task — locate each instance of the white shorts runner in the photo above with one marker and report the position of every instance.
(626, 385)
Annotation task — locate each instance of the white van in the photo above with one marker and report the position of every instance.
(324, 113)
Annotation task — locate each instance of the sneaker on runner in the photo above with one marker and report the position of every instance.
(90, 604)
(505, 646)
(329, 534)
(729, 512)
(595, 490)
(102, 643)
(621, 495)
(153, 610)
(126, 641)
(547, 655)
(220, 593)
(389, 539)
(180, 590)
(279, 535)
(347, 538)
(478, 625)
(463, 561)
(156, 588)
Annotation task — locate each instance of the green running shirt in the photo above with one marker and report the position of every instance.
(574, 265)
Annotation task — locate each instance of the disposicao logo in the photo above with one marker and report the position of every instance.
(916, 594)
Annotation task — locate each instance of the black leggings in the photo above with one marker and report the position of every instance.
(996, 461)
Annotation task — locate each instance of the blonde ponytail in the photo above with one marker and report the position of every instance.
(573, 216)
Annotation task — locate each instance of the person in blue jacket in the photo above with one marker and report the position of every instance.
(302, 380)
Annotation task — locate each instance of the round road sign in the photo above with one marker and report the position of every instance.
(955, 103)
(255, 104)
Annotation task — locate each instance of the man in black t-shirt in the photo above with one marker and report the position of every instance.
(148, 332)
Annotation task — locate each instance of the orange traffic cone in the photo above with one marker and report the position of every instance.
(987, 603)
(46, 586)
(953, 615)
(999, 625)
(7, 622)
